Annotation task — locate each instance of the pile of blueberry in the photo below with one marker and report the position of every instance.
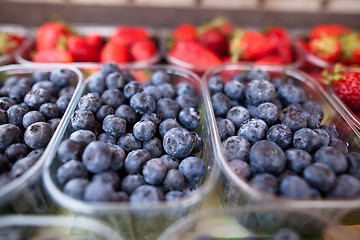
(31, 107)
(132, 141)
(272, 136)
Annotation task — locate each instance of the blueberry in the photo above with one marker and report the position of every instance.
(104, 111)
(236, 147)
(239, 77)
(90, 102)
(153, 91)
(126, 112)
(62, 77)
(131, 88)
(3, 117)
(259, 91)
(294, 107)
(18, 92)
(21, 166)
(6, 103)
(153, 117)
(346, 187)
(154, 171)
(237, 115)
(117, 157)
(286, 234)
(9, 134)
(142, 103)
(16, 113)
(320, 176)
(129, 77)
(167, 90)
(96, 83)
(82, 119)
(178, 142)
(313, 119)
(35, 99)
(115, 80)
(185, 88)
(63, 102)
(84, 137)
(167, 108)
(331, 130)
(38, 135)
(154, 147)
(339, 145)
(36, 153)
(170, 161)
(69, 90)
(215, 85)
(97, 156)
(135, 159)
(189, 118)
(75, 188)
(266, 156)
(193, 169)
(295, 187)
(190, 188)
(69, 170)
(16, 151)
(198, 143)
(311, 106)
(220, 103)
(4, 92)
(353, 159)
(281, 135)
(69, 150)
(106, 138)
(131, 182)
(160, 77)
(49, 110)
(108, 177)
(174, 180)
(290, 93)
(323, 136)
(225, 128)
(306, 139)
(240, 168)
(253, 130)
(47, 85)
(265, 182)
(144, 130)
(120, 197)
(109, 68)
(128, 142)
(294, 120)
(98, 191)
(97, 128)
(332, 157)
(297, 159)
(235, 90)
(146, 194)
(40, 76)
(174, 196)
(257, 73)
(4, 165)
(268, 112)
(113, 97)
(114, 125)
(168, 124)
(187, 101)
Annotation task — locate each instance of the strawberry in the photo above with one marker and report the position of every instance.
(249, 45)
(126, 35)
(94, 40)
(49, 35)
(142, 50)
(222, 24)
(270, 60)
(9, 42)
(114, 52)
(328, 30)
(282, 42)
(53, 56)
(350, 45)
(326, 48)
(192, 52)
(81, 50)
(184, 31)
(214, 40)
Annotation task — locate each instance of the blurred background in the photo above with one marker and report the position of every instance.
(169, 13)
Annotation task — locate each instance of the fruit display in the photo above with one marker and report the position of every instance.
(11, 38)
(57, 42)
(220, 42)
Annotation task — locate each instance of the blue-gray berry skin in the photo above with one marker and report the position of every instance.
(153, 117)
(126, 112)
(97, 129)
(154, 171)
(84, 137)
(115, 80)
(82, 119)
(339, 145)
(34, 99)
(286, 234)
(167, 108)
(16, 113)
(198, 143)
(75, 188)
(63, 102)
(185, 88)
(9, 134)
(240, 168)
(21, 166)
(135, 160)
(144, 130)
(69, 90)
(131, 89)
(128, 142)
(323, 136)
(114, 125)
(3, 117)
(69, 150)
(113, 97)
(215, 84)
(320, 176)
(40, 76)
(106, 138)
(120, 197)
(55, 122)
(96, 83)
(97, 191)
(311, 106)
(104, 111)
(38, 135)
(174, 196)
(258, 73)
(346, 187)
(353, 159)
(174, 180)
(90, 101)
(268, 112)
(117, 157)
(47, 85)
(193, 169)
(108, 177)
(265, 182)
(153, 91)
(170, 161)
(131, 182)
(146, 194)
(16, 151)
(62, 77)
(50, 110)
(253, 130)
(109, 68)
(294, 120)
(225, 128)
(220, 103)
(36, 153)
(189, 118)
(6, 103)
(154, 147)
(237, 115)
(168, 124)
(71, 169)
(18, 92)
(297, 159)
(295, 187)
(178, 142)
(167, 90)
(160, 77)
(97, 157)
(290, 94)
(266, 156)
(239, 77)
(331, 130)
(187, 101)
(306, 139)
(259, 91)
(4, 165)
(235, 90)
(281, 135)
(332, 157)
(236, 147)
(313, 119)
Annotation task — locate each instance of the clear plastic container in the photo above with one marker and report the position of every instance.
(260, 222)
(25, 194)
(23, 56)
(45, 227)
(237, 192)
(144, 221)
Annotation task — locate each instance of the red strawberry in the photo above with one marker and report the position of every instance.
(282, 42)
(249, 45)
(53, 56)
(49, 35)
(326, 48)
(81, 50)
(350, 45)
(270, 60)
(9, 42)
(328, 30)
(114, 52)
(94, 40)
(127, 35)
(222, 24)
(194, 53)
(142, 50)
(184, 31)
(214, 40)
